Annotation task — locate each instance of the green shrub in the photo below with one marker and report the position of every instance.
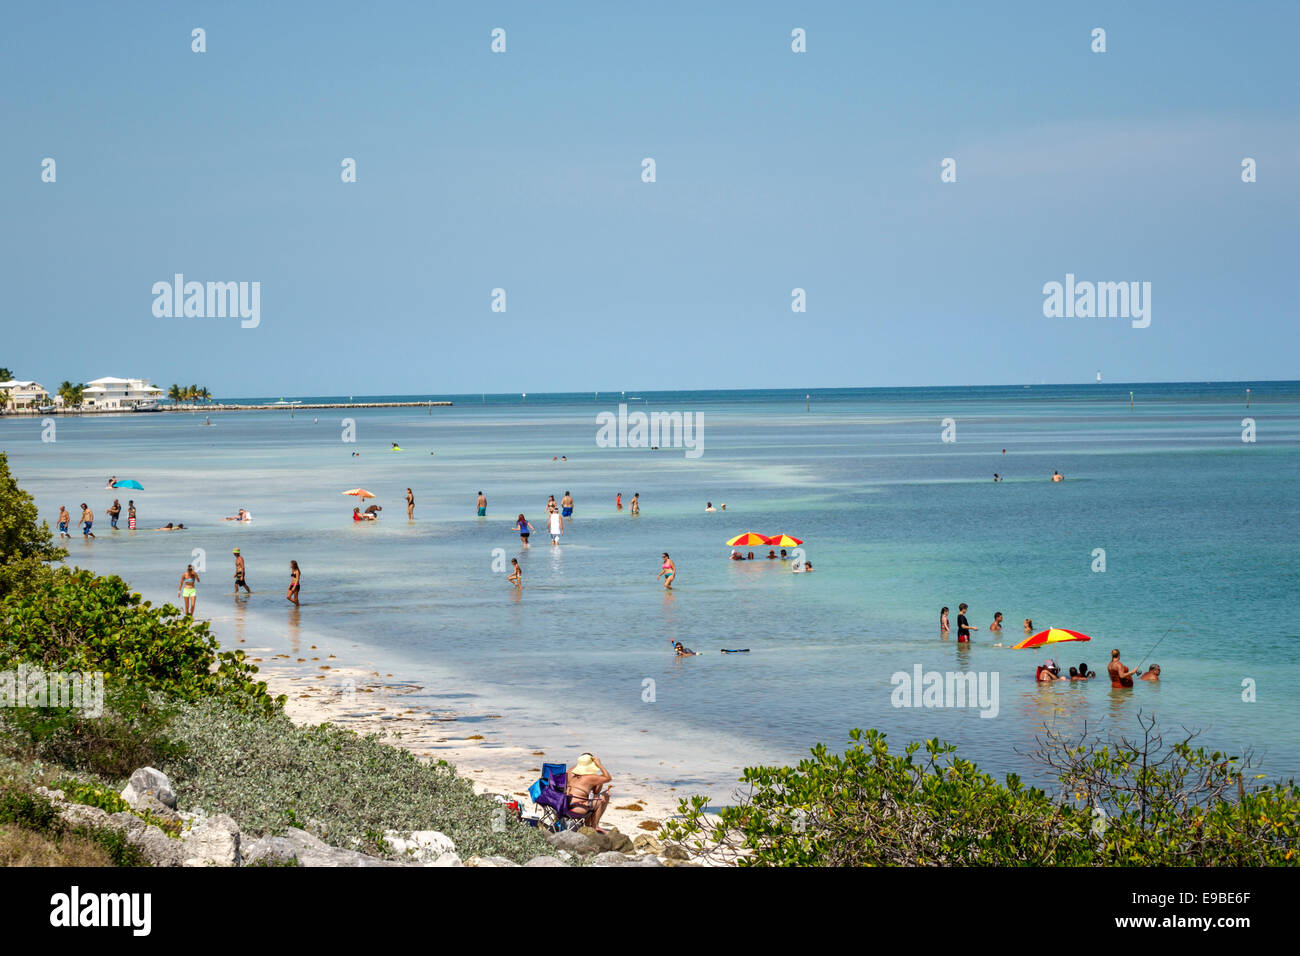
(130, 733)
(26, 545)
(347, 789)
(1121, 803)
(85, 622)
(37, 814)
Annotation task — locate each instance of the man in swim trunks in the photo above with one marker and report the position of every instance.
(87, 521)
(1120, 676)
(566, 505)
(482, 505)
(963, 626)
(239, 573)
(113, 512)
(636, 503)
(1152, 674)
(587, 790)
(64, 520)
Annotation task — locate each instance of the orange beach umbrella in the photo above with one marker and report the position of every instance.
(1053, 635)
(783, 541)
(359, 492)
(750, 539)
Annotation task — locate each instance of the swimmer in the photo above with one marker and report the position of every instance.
(943, 622)
(708, 506)
(295, 583)
(188, 590)
(736, 555)
(683, 651)
(1084, 673)
(771, 555)
(1153, 674)
(667, 572)
(1029, 626)
(784, 556)
(1057, 476)
(996, 626)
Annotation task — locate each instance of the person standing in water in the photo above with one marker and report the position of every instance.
(667, 572)
(87, 521)
(963, 626)
(516, 574)
(618, 502)
(113, 512)
(188, 589)
(1120, 676)
(566, 506)
(482, 505)
(239, 573)
(130, 515)
(943, 623)
(64, 520)
(295, 583)
(996, 626)
(410, 504)
(636, 503)
(524, 529)
(555, 526)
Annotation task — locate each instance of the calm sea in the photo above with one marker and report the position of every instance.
(1198, 528)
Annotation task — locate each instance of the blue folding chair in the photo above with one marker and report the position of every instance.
(549, 796)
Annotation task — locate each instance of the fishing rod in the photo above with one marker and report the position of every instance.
(1162, 637)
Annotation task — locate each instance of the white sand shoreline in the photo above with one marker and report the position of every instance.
(370, 703)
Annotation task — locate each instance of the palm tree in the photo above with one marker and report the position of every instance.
(205, 394)
(174, 393)
(71, 394)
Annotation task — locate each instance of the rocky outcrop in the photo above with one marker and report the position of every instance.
(146, 784)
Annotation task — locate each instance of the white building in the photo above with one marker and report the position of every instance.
(105, 394)
(24, 394)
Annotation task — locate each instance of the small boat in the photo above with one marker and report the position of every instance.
(145, 407)
(47, 409)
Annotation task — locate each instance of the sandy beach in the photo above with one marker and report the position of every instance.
(370, 703)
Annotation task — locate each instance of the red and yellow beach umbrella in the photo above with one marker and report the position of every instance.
(359, 492)
(1053, 635)
(783, 541)
(750, 539)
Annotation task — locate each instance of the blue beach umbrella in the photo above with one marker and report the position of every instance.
(129, 483)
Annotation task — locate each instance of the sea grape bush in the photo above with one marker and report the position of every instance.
(1165, 806)
(85, 622)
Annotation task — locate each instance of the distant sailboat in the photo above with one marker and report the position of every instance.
(1098, 376)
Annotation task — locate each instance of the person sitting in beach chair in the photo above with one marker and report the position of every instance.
(588, 790)
(548, 794)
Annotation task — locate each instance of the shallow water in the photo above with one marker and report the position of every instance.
(1197, 526)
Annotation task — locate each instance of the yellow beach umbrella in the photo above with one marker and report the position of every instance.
(1053, 635)
(751, 539)
(359, 492)
(783, 541)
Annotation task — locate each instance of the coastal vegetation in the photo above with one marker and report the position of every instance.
(1125, 802)
(181, 394)
(175, 701)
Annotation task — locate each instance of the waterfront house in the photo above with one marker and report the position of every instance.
(123, 394)
(23, 394)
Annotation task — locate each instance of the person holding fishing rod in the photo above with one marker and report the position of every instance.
(1120, 676)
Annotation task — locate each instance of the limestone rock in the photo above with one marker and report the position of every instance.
(645, 841)
(573, 841)
(614, 858)
(269, 850)
(602, 841)
(446, 859)
(490, 861)
(546, 861)
(149, 782)
(216, 843)
(619, 842)
(674, 852)
(422, 846)
(157, 847)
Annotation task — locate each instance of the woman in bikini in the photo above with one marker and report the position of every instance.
(943, 623)
(188, 589)
(295, 582)
(667, 572)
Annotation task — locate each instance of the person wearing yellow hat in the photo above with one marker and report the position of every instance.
(588, 791)
(239, 573)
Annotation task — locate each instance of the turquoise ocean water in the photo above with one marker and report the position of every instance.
(1199, 530)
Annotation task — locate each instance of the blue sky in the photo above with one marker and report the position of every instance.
(522, 171)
